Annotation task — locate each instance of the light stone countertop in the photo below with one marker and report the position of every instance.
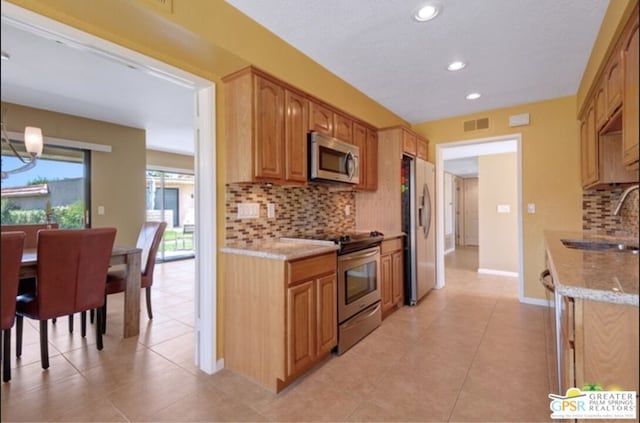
(283, 250)
(610, 277)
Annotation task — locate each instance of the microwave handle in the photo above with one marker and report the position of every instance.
(351, 164)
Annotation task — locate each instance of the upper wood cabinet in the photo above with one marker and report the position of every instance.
(296, 124)
(325, 120)
(630, 97)
(366, 139)
(600, 100)
(342, 127)
(589, 147)
(409, 143)
(320, 118)
(422, 148)
(266, 127)
(613, 83)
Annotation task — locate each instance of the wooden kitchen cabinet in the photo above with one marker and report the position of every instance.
(630, 97)
(266, 129)
(613, 83)
(327, 121)
(599, 345)
(422, 149)
(589, 147)
(367, 141)
(296, 123)
(280, 317)
(409, 142)
(392, 275)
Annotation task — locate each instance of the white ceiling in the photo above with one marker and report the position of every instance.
(50, 72)
(518, 51)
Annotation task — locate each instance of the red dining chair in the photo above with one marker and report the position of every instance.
(12, 245)
(71, 278)
(149, 242)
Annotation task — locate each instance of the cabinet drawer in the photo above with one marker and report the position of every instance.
(391, 245)
(307, 268)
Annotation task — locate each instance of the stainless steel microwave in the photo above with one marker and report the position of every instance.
(333, 160)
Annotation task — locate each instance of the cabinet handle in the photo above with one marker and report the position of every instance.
(547, 281)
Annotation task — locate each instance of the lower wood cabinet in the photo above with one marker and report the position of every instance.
(599, 345)
(280, 317)
(392, 275)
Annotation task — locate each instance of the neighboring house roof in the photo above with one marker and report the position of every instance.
(26, 191)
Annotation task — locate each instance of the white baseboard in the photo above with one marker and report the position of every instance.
(219, 365)
(498, 272)
(537, 301)
(449, 251)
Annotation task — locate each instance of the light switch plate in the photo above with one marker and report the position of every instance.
(504, 208)
(531, 208)
(271, 210)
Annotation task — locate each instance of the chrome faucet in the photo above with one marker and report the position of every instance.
(623, 198)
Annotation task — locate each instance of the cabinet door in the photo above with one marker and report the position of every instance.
(371, 161)
(360, 140)
(269, 123)
(397, 277)
(630, 101)
(613, 81)
(409, 143)
(342, 128)
(320, 118)
(301, 326)
(296, 124)
(386, 282)
(600, 105)
(327, 329)
(589, 147)
(422, 148)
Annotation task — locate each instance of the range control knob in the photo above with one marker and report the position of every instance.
(345, 238)
(376, 233)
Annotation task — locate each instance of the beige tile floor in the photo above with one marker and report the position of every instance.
(469, 352)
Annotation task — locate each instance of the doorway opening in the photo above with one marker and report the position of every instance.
(204, 156)
(479, 213)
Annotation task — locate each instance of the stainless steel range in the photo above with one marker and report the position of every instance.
(359, 309)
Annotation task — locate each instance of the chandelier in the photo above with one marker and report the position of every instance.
(33, 145)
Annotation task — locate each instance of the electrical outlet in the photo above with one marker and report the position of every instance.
(347, 210)
(248, 210)
(100, 210)
(531, 208)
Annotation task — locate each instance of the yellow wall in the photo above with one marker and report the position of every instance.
(616, 16)
(498, 232)
(121, 193)
(169, 160)
(550, 170)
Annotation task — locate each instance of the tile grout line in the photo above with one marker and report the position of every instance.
(473, 359)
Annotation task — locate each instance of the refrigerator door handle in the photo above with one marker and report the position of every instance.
(426, 224)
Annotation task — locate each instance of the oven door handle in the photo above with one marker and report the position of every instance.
(359, 256)
(358, 319)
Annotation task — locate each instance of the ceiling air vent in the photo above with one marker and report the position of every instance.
(476, 124)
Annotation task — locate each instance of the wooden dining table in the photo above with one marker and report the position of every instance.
(130, 257)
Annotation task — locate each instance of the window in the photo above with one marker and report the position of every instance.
(59, 180)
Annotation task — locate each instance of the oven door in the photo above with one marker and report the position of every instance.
(358, 281)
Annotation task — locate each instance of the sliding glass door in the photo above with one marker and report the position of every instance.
(171, 198)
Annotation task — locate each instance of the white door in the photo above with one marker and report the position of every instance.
(449, 240)
(471, 219)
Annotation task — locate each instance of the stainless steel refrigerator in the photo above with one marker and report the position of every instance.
(418, 222)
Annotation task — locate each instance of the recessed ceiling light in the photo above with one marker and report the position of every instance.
(456, 66)
(473, 96)
(426, 13)
(5, 55)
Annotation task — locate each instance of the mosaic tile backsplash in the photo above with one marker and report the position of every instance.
(299, 211)
(598, 206)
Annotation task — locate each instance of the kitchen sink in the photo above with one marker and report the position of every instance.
(600, 245)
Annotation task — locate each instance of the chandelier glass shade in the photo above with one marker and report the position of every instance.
(33, 144)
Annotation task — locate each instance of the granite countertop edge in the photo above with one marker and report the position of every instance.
(282, 250)
(570, 288)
